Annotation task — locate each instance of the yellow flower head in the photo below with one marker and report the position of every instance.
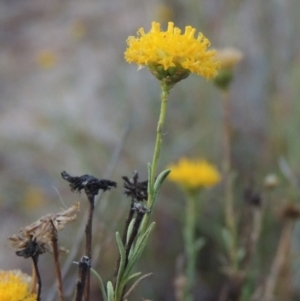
(14, 286)
(170, 54)
(192, 175)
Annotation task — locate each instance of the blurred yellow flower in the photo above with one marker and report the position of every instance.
(194, 174)
(14, 286)
(172, 52)
(46, 59)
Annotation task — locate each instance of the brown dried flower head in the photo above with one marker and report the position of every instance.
(291, 211)
(37, 238)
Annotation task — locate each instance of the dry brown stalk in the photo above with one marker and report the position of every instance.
(279, 260)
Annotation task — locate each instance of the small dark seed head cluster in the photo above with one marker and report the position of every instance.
(90, 184)
(138, 191)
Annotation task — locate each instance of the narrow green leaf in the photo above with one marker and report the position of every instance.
(137, 251)
(122, 260)
(134, 276)
(161, 177)
(129, 229)
(110, 291)
(104, 296)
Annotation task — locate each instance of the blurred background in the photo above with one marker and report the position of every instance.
(69, 101)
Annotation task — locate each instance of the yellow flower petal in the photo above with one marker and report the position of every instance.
(171, 48)
(14, 286)
(194, 174)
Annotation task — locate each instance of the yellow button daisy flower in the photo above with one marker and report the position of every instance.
(171, 54)
(14, 286)
(194, 174)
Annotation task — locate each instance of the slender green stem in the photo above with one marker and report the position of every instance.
(189, 243)
(165, 91)
(230, 221)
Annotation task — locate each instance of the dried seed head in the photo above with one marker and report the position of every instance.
(138, 191)
(36, 238)
(90, 184)
(291, 211)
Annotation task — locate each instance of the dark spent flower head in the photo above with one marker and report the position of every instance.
(26, 247)
(138, 191)
(90, 184)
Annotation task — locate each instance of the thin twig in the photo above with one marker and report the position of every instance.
(83, 270)
(56, 262)
(34, 280)
(127, 223)
(280, 258)
(88, 246)
(141, 211)
(135, 285)
(253, 237)
(35, 260)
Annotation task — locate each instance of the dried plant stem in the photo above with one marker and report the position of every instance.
(88, 246)
(165, 91)
(56, 262)
(229, 212)
(84, 267)
(133, 235)
(189, 243)
(35, 260)
(279, 261)
(253, 237)
(127, 223)
(34, 280)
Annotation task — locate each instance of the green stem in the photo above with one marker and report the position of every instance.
(165, 91)
(230, 221)
(189, 243)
